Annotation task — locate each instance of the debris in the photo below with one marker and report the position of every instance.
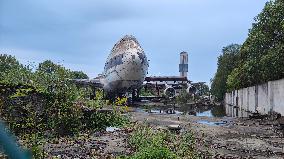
(112, 129)
(176, 128)
(257, 116)
(192, 113)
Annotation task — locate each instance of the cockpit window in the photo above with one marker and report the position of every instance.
(142, 57)
(116, 60)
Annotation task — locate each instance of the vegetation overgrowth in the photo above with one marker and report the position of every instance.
(43, 100)
(226, 63)
(183, 97)
(151, 143)
(146, 92)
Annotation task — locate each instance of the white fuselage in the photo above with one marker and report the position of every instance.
(126, 66)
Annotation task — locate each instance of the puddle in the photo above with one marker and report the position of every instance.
(205, 113)
(211, 123)
(112, 129)
(157, 111)
(201, 111)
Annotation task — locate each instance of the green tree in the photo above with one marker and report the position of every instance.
(203, 88)
(262, 54)
(79, 75)
(8, 62)
(49, 67)
(183, 97)
(226, 63)
(11, 71)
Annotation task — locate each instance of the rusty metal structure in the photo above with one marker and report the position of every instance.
(166, 78)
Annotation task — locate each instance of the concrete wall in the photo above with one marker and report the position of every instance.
(265, 98)
(263, 106)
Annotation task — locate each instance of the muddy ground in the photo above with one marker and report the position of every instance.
(224, 137)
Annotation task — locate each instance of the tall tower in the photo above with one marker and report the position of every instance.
(183, 66)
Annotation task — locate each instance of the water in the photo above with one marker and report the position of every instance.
(200, 111)
(156, 111)
(206, 111)
(211, 123)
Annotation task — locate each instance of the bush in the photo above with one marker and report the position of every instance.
(46, 100)
(154, 153)
(40, 100)
(183, 97)
(151, 143)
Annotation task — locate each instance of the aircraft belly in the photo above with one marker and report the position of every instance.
(129, 76)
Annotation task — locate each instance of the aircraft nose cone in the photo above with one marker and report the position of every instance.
(126, 44)
(127, 64)
(126, 48)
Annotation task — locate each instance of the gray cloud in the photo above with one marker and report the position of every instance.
(80, 34)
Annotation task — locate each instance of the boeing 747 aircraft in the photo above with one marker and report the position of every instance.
(125, 69)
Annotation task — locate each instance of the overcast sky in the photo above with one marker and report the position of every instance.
(80, 33)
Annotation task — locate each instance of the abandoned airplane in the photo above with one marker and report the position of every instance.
(125, 69)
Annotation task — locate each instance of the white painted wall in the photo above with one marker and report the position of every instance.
(263, 98)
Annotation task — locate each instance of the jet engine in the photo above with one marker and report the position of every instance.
(170, 91)
(191, 89)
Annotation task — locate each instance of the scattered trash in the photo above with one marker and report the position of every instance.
(112, 129)
(192, 113)
(174, 128)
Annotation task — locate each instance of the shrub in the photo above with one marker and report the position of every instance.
(157, 143)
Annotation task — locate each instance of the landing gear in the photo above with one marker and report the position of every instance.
(93, 94)
(157, 89)
(110, 96)
(135, 95)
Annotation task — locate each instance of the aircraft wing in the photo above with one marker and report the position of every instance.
(166, 79)
(96, 82)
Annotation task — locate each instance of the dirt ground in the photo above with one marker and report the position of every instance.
(102, 145)
(224, 137)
